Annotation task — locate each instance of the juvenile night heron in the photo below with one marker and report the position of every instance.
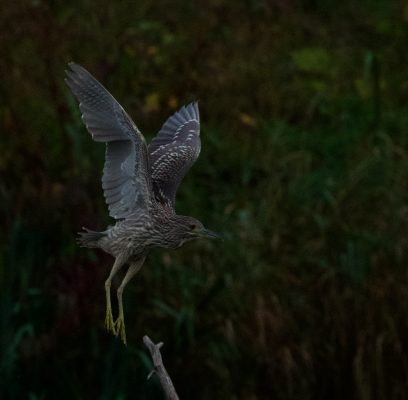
(139, 182)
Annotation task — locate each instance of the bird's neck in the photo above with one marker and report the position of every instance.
(168, 227)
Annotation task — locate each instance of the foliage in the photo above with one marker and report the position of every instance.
(304, 171)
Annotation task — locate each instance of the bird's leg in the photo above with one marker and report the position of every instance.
(109, 325)
(120, 322)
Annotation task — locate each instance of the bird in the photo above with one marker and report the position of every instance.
(139, 183)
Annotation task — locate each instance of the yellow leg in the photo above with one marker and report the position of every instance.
(109, 324)
(108, 316)
(120, 328)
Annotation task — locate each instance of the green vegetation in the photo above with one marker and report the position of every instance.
(304, 170)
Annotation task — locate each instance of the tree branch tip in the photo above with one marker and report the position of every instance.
(159, 368)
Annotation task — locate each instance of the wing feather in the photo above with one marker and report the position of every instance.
(126, 179)
(173, 151)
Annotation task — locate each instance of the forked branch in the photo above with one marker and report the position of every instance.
(159, 369)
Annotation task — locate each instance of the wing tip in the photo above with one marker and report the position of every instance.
(192, 110)
(76, 71)
(72, 75)
(71, 67)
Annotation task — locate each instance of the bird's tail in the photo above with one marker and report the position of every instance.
(90, 238)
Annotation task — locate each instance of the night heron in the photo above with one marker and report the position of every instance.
(139, 182)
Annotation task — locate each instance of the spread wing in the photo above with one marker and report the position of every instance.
(173, 151)
(126, 181)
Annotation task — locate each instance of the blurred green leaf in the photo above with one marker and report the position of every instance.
(313, 59)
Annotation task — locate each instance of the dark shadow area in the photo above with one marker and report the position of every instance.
(303, 170)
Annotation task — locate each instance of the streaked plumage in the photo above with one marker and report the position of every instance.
(139, 181)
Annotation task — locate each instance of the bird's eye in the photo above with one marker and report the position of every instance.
(192, 226)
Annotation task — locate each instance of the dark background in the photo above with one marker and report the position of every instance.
(304, 170)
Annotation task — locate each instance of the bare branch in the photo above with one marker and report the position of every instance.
(159, 369)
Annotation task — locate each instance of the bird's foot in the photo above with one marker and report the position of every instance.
(109, 324)
(120, 328)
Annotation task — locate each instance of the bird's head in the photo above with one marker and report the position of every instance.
(189, 228)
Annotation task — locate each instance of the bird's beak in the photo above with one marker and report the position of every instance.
(206, 233)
